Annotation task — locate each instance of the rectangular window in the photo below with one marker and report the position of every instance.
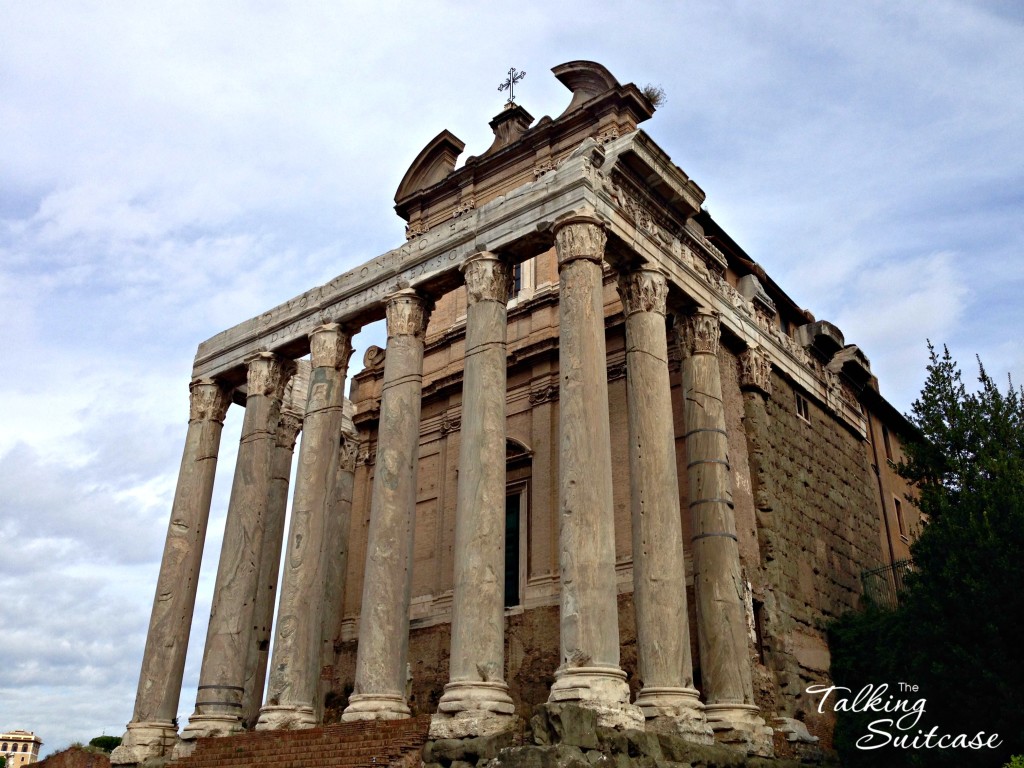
(803, 410)
(517, 279)
(513, 522)
(885, 440)
(899, 519)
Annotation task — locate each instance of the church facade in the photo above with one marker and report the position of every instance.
(604, 459)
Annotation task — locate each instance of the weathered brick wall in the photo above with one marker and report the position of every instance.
(818, 529)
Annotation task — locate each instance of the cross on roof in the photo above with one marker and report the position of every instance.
(514, 76)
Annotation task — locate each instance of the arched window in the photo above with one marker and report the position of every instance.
(4, 748)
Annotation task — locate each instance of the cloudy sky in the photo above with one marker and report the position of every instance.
(170, 169)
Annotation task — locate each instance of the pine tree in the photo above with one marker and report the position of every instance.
(958, 631)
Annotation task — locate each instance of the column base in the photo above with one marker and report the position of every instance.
(603, 690)
(741, 725)
(145, 741)
(472, 708)
(286, 717)
(210, 726)
(676, 711)
(375, 706)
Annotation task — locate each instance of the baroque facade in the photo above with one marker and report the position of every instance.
(603, 459)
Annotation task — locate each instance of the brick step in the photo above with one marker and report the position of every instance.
(366, 744)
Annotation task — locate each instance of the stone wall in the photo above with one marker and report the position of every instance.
(818, 529)
(76, 757)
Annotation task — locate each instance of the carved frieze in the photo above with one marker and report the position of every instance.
(617, 371)
(407, 314)
(488, 278)
(698, 333)
(756, 370)
(330, 346)
(643, 290)
(268, 374)
(366, 455)
(288, 429)
(580, 239)
(208, 401)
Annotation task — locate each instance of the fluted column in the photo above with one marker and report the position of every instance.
(295, 665)
(379, 691)
(232, 615)
(336, 535)
(668, 698)
(152, 731)
(476, 700)
(273, 538)
(718, 582)
(589, 673)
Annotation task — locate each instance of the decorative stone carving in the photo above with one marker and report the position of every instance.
(288, 429)
(268, 374)
(464, 207)
(606, 137)
(580, 237)
(544, 166)
(407, 314)
(756, 370)
(450, 422)
(544, 394)
(208, 401)
(366, 455)
(617, 371)
(488, 278)
(330, 346)
(348, 453)
(644, 290)
(698, 333)
(373, 357)
(415, 229)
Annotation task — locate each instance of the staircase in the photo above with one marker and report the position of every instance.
(364, 744)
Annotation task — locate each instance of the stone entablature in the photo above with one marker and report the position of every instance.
(519, 226)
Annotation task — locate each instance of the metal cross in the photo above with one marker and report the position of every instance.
(514, 76)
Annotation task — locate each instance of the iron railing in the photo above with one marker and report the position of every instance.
(884, 586)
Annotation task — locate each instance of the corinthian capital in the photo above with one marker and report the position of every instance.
(756, 370)
(269, 374)
(348, 453)
(488, 278)
(644, 290)
(208, 401)
(580, 237)
(407, 314)
(288, 429)
(698, 333)
(330, 346)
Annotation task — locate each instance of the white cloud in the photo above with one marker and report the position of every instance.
(170, 171)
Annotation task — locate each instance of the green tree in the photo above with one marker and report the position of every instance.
(957, 632)
(106, 743)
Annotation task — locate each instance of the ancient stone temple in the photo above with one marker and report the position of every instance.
(604, 460)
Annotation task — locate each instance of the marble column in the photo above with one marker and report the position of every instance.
(295, 665)
(589, 673)
(668, 699)
(725, 658)
(273, 535)
(152, 731)
(382, 655)
(476, 701)
(336, 533)
(232, 615)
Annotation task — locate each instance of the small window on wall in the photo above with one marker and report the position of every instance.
(803, 410)
(888, 444)
(899, 519)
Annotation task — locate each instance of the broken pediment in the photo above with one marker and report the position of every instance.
(434, 163)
